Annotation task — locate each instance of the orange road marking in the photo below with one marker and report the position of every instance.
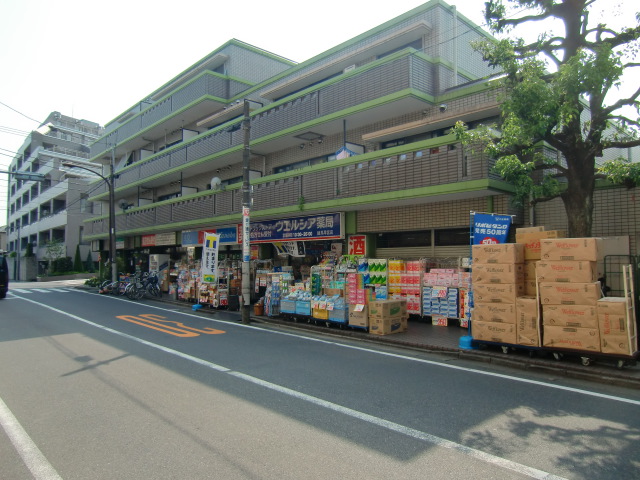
(157, 322)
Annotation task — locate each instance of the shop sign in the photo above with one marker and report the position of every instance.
(190, 238)
(163, 239)
(314, 227)
(148, 240)
(357, 245)
(295, 249)
(228, 235)
(120, 243)
(489, 228)
(209, 270)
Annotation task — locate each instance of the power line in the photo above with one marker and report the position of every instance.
(25, 116)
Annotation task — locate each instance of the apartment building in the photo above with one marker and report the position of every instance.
(351, 144)
(52, 209)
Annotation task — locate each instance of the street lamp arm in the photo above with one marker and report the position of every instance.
(112, 217)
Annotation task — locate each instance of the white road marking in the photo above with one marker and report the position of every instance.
(380, 422)
(395, 355)
(31, 455)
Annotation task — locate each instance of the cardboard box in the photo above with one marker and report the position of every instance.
(531, 241)
(614, 305)
(494, 312)
(330, 292)
(618, 344)
(529, 229)
(497, 293)
(387, 308)
(497, 273)
(566, 271)
(494, 331)
(528, 321)
(587, 339)
(529, 267)
(358, 316)
(387, 325)
(530, 288)
(559, 293)
(616, 316)
(498, 253)
(582, 316)
(587, 249)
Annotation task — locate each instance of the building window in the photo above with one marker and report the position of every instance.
(452, 236)
(420, 238)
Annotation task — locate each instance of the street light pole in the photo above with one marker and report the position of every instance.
(112, 214)
(246, 209)
(112, 218)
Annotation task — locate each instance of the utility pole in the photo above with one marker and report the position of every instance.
(246, 227)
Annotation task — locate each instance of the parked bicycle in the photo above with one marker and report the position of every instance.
(114, 288)
(144, 284)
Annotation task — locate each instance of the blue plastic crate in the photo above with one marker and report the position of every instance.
(338, 315)
(303, 307)
(288, 306)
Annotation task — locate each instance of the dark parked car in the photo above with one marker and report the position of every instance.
(4, 276)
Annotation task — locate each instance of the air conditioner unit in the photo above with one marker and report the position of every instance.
(349, 68)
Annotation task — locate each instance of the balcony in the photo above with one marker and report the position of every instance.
(428, 171)
(207, 93)
(395, 85)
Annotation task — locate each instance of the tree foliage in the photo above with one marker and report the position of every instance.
(556, 98)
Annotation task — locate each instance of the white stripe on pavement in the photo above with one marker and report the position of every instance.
(380, 422)
(31, 455)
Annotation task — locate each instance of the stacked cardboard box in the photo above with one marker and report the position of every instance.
(616, 321)
(387, 316)
(530, 237)
(498, 280)
(569, 292)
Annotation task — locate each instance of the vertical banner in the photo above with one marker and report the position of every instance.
(489, 228)
(210, 258)
(246, 235)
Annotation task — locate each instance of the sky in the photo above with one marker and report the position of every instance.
(93, 60)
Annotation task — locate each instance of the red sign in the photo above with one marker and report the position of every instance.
(148, 240)
(357, 244)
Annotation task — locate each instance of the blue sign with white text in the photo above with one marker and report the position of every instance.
(314, 227)
(489, 228)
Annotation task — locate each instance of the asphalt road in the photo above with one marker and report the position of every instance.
(95, 387)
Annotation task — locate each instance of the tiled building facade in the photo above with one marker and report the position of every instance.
(389, 95)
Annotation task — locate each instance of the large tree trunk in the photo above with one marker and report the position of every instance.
(578, 198)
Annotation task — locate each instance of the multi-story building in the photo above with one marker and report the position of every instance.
(353, 141)
(53, 209)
